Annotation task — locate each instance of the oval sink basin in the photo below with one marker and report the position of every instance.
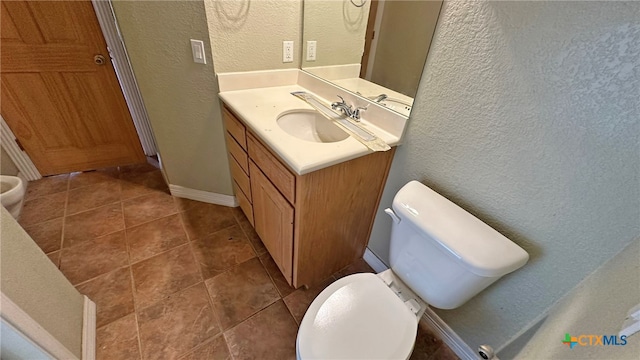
(310, 125)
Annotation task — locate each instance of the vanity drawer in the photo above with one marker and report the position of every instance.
(245, 205)
(277, 173)
(236, 151)
(235, 127)
(241, 178)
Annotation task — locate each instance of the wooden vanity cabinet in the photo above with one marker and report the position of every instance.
(313, 225)
(273, 221)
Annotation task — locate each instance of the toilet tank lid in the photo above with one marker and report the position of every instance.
(476, 245)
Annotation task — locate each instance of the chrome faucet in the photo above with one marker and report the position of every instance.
(342, 106)
(348, 110)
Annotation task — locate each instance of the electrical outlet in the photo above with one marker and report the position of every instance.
(311, 50)
(287, 51)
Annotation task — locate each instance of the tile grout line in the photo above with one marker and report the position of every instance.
(247, 236)
(101, 275)
(64, 222)
(157, 254)
(167, 298)
(268, 273)
(271, 278)
(132, 281)
(209, 301)
(254, 315)
(195, 260)
(175, 210)
(203, 344)
(206, 288)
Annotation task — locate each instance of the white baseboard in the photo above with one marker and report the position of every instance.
(204, 196)
(439, 327)
(32, 330)
(20, 159)
(448, 336)
(89, 330)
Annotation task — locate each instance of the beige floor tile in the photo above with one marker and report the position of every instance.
(241, 292)
(118, 340)
(221, 250)
(112, 294)
(177, 325)
(95, 257)
(155, 237)
(271, 334)
(162, 275)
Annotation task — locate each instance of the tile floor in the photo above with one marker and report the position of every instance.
(171, 278)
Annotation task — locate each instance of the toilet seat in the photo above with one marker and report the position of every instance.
(357, 317)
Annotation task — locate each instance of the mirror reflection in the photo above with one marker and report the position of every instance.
(373, 48)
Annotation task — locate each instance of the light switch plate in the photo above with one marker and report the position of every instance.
(197, 49)
(287, 51)
(311, 50)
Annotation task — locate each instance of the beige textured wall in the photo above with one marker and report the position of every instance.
(526, 116)
(180, 95)
(403, 42)
(247, 35)
(338, 27)
(7, 167)
(598, 305)
(35, 284)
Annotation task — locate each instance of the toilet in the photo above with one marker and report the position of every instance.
(440, 255)
(12, 191)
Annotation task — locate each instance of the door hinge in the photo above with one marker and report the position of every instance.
(19, 144)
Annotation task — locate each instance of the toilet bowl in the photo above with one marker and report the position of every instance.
(12, 192)
(361, 316)
(440, 255)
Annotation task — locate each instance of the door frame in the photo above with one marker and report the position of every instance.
(31, 331)
(374, 43)
(128, 85)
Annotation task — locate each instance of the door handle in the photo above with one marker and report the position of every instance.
(99, 59)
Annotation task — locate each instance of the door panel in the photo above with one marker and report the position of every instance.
(273, 221)
(67, 111)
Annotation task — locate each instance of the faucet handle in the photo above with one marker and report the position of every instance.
(341, 104)
(356, 113)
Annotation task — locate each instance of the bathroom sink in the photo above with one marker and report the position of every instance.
(310, 125)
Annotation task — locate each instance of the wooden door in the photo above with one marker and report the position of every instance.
(273, 220)
(65, 108)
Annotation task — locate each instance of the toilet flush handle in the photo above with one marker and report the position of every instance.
(393, 215)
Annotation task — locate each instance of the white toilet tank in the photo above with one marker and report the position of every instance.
(442, 252)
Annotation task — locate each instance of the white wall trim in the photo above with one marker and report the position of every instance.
(89, 330)
(20, 158)
(374, 261)
(204, 196)
(26, 325)
(124, 72)
(448, 336)
(439, 327)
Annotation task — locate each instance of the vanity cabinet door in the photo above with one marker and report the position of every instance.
(273, 220)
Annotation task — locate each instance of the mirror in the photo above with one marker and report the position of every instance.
(373, 48)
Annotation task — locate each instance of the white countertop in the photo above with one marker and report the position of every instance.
(259, 97)
(259, 109)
